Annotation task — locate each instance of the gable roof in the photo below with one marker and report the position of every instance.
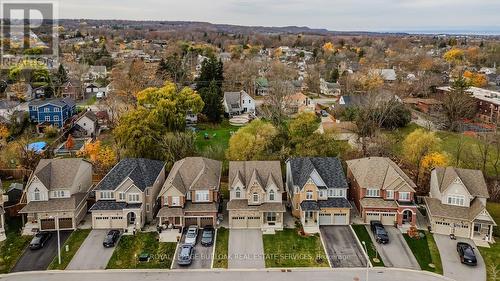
(329, 169)
(194, 173)
(90, 115)
(379, 172)
(472, 179)
(264, 172)
(143, 172)
(57, 102)
(60, 173)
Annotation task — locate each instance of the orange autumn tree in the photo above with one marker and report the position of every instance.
(70, 143)
(103, 157)
(4, 134)
(454, 55)
(476, 79)
(328, 47)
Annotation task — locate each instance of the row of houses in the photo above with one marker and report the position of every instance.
(137, 192)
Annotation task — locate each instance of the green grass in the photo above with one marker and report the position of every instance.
(6, 183)
(288, 249)
(221, 248)
(130, 247)
(74, 242)
(426, 252)
(363, 235)
(224, 190)
(13, 247)
(91, 101)
(494, 210)
(219, 135)
(491, 258)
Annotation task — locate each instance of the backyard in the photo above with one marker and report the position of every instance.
(131, 247)
(221, 248)
(289, 249)
(426, 252)
(491, 255)
(218, 136)
(363, 235)
(13, 247)
(73, 243)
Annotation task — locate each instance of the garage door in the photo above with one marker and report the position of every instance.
(101, 222)
(325, 219)
(254, 222)
(340, 219)
(441, 228)
(190, 221)
(238, 222)
(371, 216)
(204, 221)
(66, 223)
(47, 224)
(388, 218)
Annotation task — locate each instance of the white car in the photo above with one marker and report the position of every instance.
(191, 235)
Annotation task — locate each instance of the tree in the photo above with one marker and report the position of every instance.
(211, 70)
(102, 157)
(4, 134)
(304, 125)
(328, 47)
(212, 97)
(458, 103)
(433, 160)
(177, 145)
(417, 146)
(252, 141)
(454, 55)
(70, 143)
(172, 68)
(62, 75)
(28, 158)
(476, 79)
(277, 102)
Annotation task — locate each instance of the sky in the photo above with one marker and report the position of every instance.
(341, 15)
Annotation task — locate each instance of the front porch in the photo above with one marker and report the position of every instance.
(310, 221)
(482, 231)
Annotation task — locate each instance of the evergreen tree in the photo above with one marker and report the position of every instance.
(211, 70)
(62, 75)
(212, 96)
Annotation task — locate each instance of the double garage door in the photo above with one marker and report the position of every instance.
(246, 222)
(333, 219)
(199, 221)
(106, 222)
(385, 218)
(50, 224)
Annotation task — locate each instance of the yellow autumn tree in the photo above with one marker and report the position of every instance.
(4, 134)
(252, 141)
(454, 55)
(433, 160)
(417, 145)
(103, 157)
(328, 47)
(476, 79)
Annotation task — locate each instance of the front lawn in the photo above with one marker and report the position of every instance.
(13, 247)
(426, 252)
(494, 210)
(74, 242)
(221, 248)
(288, 249)
(363, 235)
(130, 247)
(491, 258)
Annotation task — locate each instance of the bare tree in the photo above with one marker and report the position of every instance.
(277, 102)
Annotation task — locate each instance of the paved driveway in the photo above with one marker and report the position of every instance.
(40, 259)
(452, 267)
(396, 253)
(342, 247)
(246, 249)
(92, 255)
(202, 255)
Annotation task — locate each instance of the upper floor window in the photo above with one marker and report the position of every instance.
(57, 109)
(309, 195)
(335, 192)
(457, 200)
(134, 197)
(373, 193)
(121, 196)
(389, 194)
(237, 193)
(255, 197)
(36, 194)
(176, 201)
(47, 109)
(107, 195)
(202, 196)
(58, 194)
(404, 196)
(321, 193)
(271, 195)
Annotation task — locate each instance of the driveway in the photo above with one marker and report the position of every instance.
(452, 267)
(92, 255)
(40, 259)
(202, 255)
(342, 247)
(396, 253)
(246, 249)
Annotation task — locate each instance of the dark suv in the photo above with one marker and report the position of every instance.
(207, 236)
(39, 240)
(111, 238)
(381, 235)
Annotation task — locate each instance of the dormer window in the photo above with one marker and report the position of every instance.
(373, 192)
(238, 192)
(36, 194)
(256, 197)
(309, 195)
(389, 194)
(457, 200)
(271, 195)
(404, 196)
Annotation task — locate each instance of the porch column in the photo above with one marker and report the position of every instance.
(490, 232)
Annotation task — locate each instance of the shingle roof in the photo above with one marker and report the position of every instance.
(89, 114)
(472, 179)
(380, 172)
(334, 203)
(58, 102)
(309, 206)
(266, 172)
(242, 204)
(437, 209)
(143, 172)
(61, 173)
(111, 205)
(233, 100)
(329, 169)
(55, 205)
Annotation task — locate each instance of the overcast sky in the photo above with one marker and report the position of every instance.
(370, 15)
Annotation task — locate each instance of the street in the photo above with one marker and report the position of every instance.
(227, 275)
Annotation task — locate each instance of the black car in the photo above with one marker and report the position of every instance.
(185, 254)
(40, 240)
(381, 235)
(207, 236)
(111, 238)
(466, 253)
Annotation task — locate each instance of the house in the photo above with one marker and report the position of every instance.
(53, 111)
(72, 89)
(57, 190)
(352, 101)
(388, 74)
(96, 72)
(262, 87)
(457, 204)
(2, 215)
(190, 195)
(88, 125)
(126, 196)
(382, 191)
(19, 91)
(426, 105)
(236, 103)
(298, 103)
(255, 192)
(328, 88)
(317, 192)
(14, 194)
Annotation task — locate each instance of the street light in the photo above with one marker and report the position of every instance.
(56, 219)
(367, 259)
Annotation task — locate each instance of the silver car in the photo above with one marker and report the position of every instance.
(191, 235)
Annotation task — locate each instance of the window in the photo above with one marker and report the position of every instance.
(36, 195)
(255, 197)
(56, 118)
(121, 196)
(457, 200)
(57, 109)
(107, 195)
(58, 194)
(335, 192)
(389, 194)
(373, 193)
(47, 118)
(133, 197)
(202, 196)
(309, 195)
(321, 193)
(47, 109)
(238, 192)
(176, 201)
(404, 196)
(147, 208)
(271, 195)
(271, 217)
(147, 190)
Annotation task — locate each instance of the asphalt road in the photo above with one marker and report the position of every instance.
(41, 258)
(452, 267)
(341, 247)
(396, 253)
(245, 249)
(229, 275)
(92, 255)
(202, 255)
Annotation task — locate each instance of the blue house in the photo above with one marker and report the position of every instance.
(52, 111)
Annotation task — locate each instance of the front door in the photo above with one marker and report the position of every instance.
(131, 218)
(407, 216)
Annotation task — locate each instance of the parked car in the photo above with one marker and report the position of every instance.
(466, 253)
(111, 238)
(40, 240)
(381, 235)
(207, 236)
(185, 254)
(191, 235)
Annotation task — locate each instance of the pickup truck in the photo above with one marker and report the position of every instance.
(379, 232)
